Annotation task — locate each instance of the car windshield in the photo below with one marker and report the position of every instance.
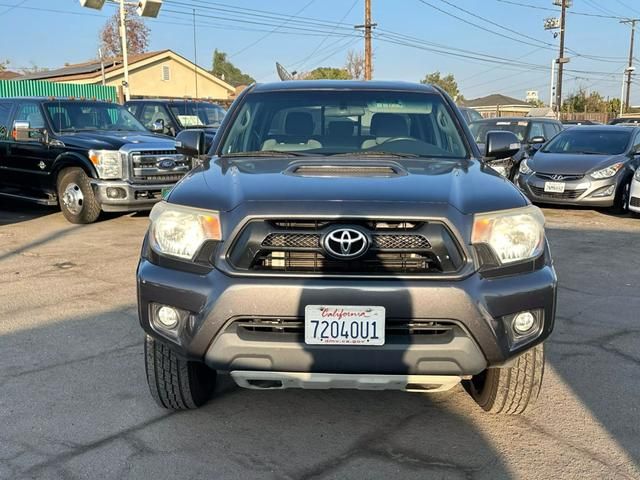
(75, 116)
(480, 129)
(197, 114)
(344, 122)
(589, 141)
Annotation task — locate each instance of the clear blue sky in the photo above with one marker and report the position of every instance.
(33, 35)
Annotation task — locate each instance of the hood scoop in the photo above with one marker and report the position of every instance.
(345, 169)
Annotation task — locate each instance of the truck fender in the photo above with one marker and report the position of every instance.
(72, 159)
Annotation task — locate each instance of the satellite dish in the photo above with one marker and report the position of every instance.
(283, 73)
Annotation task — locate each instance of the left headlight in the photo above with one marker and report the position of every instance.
(607, 172)
(524, 168)
(180, 232)
(108, 163)
(637, 175)
(513, 235)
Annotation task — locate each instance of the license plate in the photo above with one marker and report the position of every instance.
(343, 325)
(165, 192)
(554, 187)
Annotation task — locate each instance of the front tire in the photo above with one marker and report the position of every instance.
(621, 202)
(77, 200)
(511, 390)
(176, 384)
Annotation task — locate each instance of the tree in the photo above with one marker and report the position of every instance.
(448, 84)
(328, 73)
(33, 69)
(581, 102)
(537, 103)
(227, 71)
(3, 65)
(137, 34)
(355, 65)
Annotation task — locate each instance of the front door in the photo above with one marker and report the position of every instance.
(28, 161)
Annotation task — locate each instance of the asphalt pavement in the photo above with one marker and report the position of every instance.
(74, 402)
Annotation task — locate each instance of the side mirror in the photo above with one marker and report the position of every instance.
(158, 126)
(22, 132)
(191, 143)
(537, 140)
(501, 144)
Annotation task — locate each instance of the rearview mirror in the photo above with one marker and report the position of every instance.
(22, 132)
(191, 143)
(501, 144)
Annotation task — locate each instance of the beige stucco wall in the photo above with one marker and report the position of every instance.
(147, 81)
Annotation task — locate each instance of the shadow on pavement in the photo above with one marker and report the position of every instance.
(14, 211)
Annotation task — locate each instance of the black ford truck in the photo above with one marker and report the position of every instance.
(86, 156)
(346, 235)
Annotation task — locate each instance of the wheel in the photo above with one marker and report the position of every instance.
(621, 202)
(176, 384)
(77, 200)
(510, 390)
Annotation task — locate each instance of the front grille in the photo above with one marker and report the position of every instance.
(296, 246)
(559, 177)
(393, 327)
(566, 195)
(146, 166)
(635, 202)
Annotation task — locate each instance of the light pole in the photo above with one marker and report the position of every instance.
(145, 8)
(627, 73)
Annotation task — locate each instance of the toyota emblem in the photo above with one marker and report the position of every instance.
(345, 243)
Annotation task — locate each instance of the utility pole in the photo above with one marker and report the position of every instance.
(125, 56)
(561, 59)
(629, 70)
(553, 64)
(367, 26)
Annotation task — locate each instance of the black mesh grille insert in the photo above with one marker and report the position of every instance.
(292, 240)
(400, 242)
(635, 202)
(379, 242)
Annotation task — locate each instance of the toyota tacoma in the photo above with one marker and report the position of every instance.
(343, 234)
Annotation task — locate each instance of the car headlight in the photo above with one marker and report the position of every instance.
(607, 172)
(108, 163)
(524, 168)
(513, 235)
(637, 175)
(180, 232)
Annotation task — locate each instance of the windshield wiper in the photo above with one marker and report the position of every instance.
(375, 153)
(268, 153)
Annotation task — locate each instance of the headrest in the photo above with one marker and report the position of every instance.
(340, 129)
(389, 125)
(299, 123)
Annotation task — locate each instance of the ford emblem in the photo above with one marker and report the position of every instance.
(166, 164)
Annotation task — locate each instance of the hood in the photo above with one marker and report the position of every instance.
(468, 186)
(113, 140)
(570, 163)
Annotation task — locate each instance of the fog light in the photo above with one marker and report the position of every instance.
(168, 317)
(116, 192)
(604, 191)
(523, 322)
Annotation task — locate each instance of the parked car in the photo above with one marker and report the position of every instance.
(86, 156)
(346, 234)
(171, 116)
(469, 114)
(589, 165)
(634, 194)
(531, 133)
(628, 120)
(570, 123)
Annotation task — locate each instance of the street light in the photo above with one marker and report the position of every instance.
(627, 71)
(144, 8)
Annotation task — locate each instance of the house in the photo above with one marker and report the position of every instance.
(154, 74)
(497, 105)
(541, 112)
(9, 75)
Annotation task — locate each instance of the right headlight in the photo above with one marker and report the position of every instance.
(513, 235)
(178, 231)
(637, 175)
(108, 163)
(524, 168)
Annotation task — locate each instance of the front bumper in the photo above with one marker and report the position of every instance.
(477, 306)
(577, 192)
(131, 197)
(634, 196)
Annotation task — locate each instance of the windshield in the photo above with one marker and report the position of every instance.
(197, 114)
(75, 116)
(480, 129)
(588, 141)
(344, 122)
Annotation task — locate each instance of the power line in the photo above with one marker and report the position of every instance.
(549, 9)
